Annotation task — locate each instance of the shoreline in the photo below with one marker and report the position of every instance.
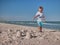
(11, 34)
(27, 26)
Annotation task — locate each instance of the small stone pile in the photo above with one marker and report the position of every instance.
(26, 37)
(13, 37)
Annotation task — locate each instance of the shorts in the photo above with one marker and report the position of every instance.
(40, 23)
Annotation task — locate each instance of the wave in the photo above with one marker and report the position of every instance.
(50, 24)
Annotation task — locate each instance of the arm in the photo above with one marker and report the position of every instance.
(35, 17)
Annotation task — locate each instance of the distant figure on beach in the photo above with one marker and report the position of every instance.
(40, 18)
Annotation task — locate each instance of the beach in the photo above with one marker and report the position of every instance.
(11, 34)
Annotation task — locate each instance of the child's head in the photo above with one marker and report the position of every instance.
(40, 9)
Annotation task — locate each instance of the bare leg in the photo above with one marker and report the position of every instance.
(40, 29)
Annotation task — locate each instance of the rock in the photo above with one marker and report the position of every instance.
(18, 34)
(27, 35)
(14, 37)
(23, 33)
(33, 34)
(0, 32)
(9, 31)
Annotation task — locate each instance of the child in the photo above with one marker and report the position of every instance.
(40, 17)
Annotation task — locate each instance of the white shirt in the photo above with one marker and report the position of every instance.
(40, 17)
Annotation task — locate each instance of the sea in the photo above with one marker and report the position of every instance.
(47, 24)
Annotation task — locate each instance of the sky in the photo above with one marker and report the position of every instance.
(24, 10)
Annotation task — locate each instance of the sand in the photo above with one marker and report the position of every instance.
(11, 34)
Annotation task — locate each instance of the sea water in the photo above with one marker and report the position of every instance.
(47, 24)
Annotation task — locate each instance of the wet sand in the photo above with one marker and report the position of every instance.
(11, 34)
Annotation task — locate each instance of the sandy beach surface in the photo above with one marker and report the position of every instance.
(11, 34)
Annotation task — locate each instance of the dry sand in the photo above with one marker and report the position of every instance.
(11, 34)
